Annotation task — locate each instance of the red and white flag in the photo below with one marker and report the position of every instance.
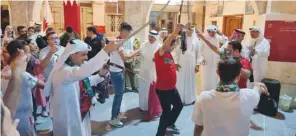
(47, 16)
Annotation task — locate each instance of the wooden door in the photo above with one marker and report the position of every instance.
(57, 11)
(231, 23)
(86, 19)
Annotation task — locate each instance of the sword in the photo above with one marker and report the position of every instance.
(180, 12)
(188, 15)
(142, 27)
(137, 75)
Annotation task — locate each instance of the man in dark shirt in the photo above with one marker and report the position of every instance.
(96, 44)
(93, 41)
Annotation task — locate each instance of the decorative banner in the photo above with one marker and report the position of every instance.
(71, 1)
(72, 15)
(101, 29)
(47, 16)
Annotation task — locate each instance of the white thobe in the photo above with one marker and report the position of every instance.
(209, 78)
(160, 40)
(260, 59)
(186, 74)
(147, 71)
(65, 104)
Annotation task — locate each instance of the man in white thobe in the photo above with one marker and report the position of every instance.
(147, 70)
(69, 84)
(188, 65)
(163, 32)
(210, 59)
(259, 50)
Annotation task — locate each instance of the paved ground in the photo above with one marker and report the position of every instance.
(285, 125)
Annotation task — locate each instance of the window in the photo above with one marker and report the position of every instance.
(214, 23)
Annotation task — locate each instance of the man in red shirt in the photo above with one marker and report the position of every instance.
(166, 84)
(234, 47)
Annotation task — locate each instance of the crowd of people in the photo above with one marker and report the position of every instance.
(62, 76)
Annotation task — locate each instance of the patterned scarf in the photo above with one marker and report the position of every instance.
(232, 87)
(86, 94)
(223, 87)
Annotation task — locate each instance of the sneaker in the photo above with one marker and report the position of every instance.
(116, 123)
(135, 89)
(102, 101)
(173, 129)
(44, 114)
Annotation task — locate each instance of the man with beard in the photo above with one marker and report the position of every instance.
(188, 65)
(22, 31)
(259, 51)
(70, 84)
(147, 71)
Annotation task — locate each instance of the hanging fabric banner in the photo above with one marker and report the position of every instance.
(72, 15)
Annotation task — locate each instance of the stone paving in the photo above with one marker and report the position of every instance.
(284, 125)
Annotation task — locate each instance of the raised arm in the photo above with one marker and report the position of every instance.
(45, 58)
(87, 69)
(93, 65)
(210, 45)
(168, 42)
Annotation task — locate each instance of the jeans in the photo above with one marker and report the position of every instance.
(117, 80)
(169, 115)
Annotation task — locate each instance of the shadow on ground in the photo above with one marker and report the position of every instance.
(102, 127)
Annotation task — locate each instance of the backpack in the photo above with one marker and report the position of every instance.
(41, 42)
(101, 36)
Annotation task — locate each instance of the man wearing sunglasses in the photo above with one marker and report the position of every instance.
(50, 54)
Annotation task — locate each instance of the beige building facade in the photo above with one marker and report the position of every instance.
(241, 14)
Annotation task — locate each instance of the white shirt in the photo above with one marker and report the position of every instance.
(34, 36)
(43, 53)
(28, 83)
(116, 59)
(128, 46)
(225, 113)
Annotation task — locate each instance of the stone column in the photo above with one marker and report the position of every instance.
(136, 14)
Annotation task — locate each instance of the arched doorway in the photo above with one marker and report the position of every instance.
(5, 18)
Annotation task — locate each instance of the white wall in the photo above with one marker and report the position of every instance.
(98, 12)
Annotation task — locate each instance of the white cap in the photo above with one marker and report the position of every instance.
(212, 28)
(255, 28)
(153, 33)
